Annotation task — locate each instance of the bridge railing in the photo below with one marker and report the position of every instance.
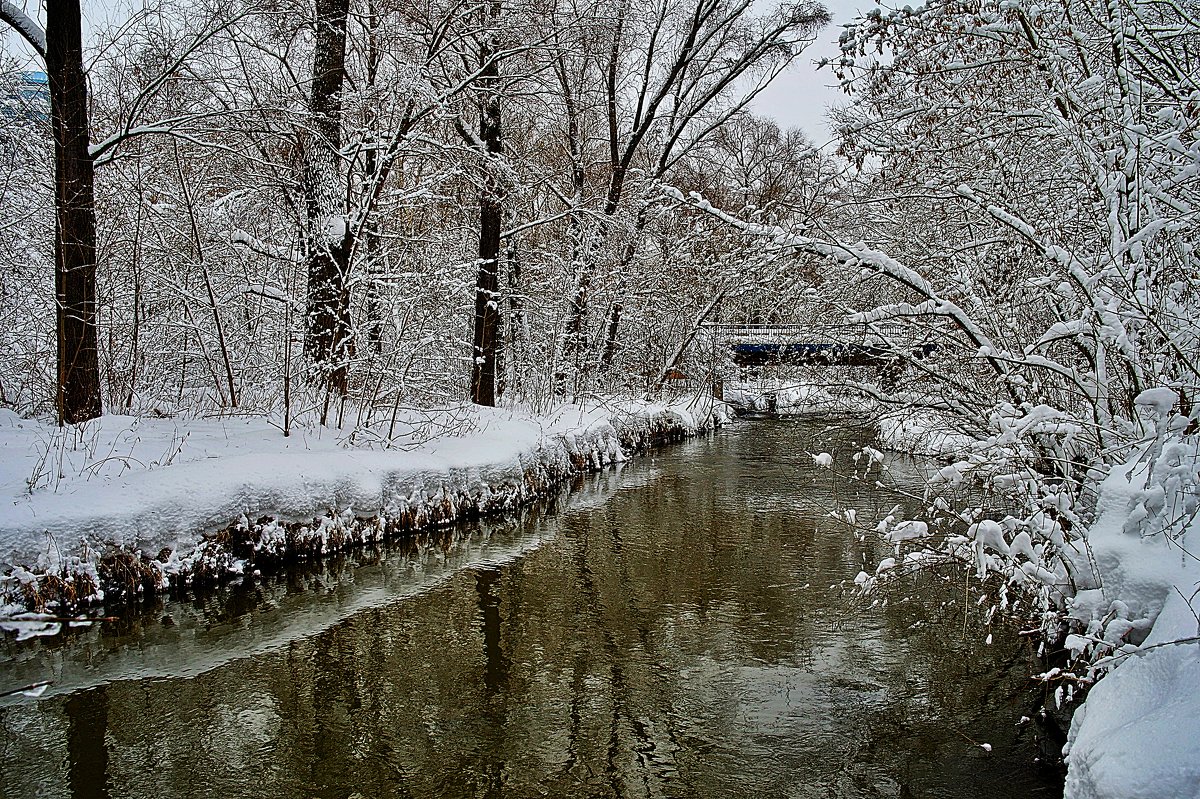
(886, 332)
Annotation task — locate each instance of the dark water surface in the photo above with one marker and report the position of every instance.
(667, 629)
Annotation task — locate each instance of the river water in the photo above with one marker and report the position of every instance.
(665, 629)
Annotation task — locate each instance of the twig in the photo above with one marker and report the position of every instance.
(31, 687)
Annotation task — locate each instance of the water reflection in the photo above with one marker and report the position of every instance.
(670, 633)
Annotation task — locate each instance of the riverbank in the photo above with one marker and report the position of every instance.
(123, 506)
(921, 433)
(1137, 733)
(1126, 592)
(678, 604)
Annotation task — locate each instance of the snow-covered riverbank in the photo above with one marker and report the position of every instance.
(900, 429)
(1137, 734)
(1132, 600)
(129, 504)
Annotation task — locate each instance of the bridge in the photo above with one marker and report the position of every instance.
(812, 344)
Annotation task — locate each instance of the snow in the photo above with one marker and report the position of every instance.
(30, 625)
(24, 24)
(920, 433)
(988, 534)
(1139, 570)
(1160, 399)
(164, 485)
(786, 397)
(1138, 732)
(907, 531)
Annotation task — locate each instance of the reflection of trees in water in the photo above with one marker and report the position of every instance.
(87, 726)
(678, 640)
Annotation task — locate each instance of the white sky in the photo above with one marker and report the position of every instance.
(798, 98)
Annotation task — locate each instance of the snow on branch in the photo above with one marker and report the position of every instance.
(23, 24)
(266, 291)
(859, 254)
(261, 247)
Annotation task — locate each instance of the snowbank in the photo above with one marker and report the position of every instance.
(198, 499)
(920, 434)
(1132, 594)
(1137, 734)
(177, 650)
(784, 397)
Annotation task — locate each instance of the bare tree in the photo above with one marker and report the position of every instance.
(487, 285)
(699, 65)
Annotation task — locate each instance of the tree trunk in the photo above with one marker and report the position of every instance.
(611, 333)
(329, 339)
(78, 395)
(487, 284)
(372, 172)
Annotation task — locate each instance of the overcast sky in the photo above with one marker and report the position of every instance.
(798, 98)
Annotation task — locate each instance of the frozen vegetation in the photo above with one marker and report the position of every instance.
(1121, 598)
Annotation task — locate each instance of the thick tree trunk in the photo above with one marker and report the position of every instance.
(75, 223)
(329, 340)
(487, 284)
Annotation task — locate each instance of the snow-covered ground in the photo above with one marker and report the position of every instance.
(1137, 735)
(783, 397)
(920, 433)
(217, 495)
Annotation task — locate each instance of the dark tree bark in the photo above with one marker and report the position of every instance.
(75, 222)
(487, 284)
(372, 170)
(329, 340)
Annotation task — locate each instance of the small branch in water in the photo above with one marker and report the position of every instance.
(984, 746)
(61, 619)
(33, 689)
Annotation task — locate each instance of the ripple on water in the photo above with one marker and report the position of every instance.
(668, 630)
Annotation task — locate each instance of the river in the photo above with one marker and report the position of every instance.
(670, 628)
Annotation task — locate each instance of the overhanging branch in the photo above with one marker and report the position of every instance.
(23, 24)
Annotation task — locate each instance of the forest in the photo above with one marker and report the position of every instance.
(383, 204)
